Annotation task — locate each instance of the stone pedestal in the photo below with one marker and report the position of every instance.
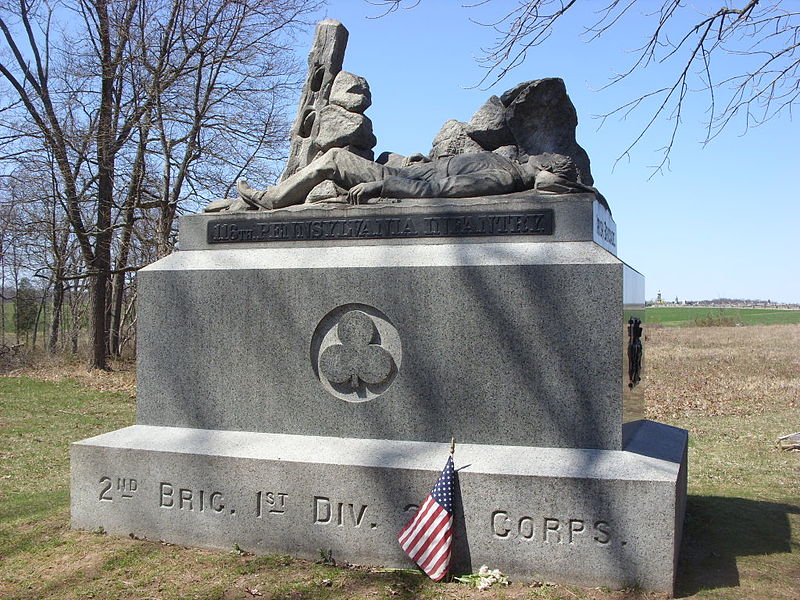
(302, 372)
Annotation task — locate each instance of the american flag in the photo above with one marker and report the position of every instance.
(427, 537)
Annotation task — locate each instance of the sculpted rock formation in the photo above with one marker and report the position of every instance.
(351, 92)
(522, 140)
(542, 118)
(488, 126)
(534, 117)
(340, 128)
(331, 104)
(453, 139)
(392, 159)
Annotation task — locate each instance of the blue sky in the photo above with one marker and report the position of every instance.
(723, 221)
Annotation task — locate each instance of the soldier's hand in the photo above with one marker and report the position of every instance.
(364, 191)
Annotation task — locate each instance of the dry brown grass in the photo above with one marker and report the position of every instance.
(722, 371)
(121, 377)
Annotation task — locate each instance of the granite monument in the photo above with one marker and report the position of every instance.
(307, 355)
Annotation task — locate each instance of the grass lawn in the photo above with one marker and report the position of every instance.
(683, 316)
(735, 388)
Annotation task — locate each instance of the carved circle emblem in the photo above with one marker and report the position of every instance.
(355, 352)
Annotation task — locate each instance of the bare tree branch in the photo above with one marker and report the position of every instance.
(761, 36)
(118, 121)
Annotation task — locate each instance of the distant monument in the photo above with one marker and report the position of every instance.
(306, 357)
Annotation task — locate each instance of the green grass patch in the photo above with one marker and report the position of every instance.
(690, 316)
(740, 539)
(39, 420)
(742, 531)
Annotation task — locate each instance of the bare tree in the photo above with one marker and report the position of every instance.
(762, 36)
(117, 90)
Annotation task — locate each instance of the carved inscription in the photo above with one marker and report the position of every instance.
(605, 232)
(270, 503)
(531, 222)
(120, 488)
(265, 503)
(341, 514)
(324, 511)
(191, 500)
(549, 530)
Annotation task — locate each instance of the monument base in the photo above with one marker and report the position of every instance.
(580, 516)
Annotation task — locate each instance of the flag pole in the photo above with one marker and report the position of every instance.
(452, 446)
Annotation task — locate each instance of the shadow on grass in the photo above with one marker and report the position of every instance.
(718, 529)
(30, 508)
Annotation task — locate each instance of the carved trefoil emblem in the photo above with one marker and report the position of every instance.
(357, 360)
(355, 352)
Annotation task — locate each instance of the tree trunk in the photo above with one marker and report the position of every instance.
(105, 193)
(41, 317)
(16, 299)
(58, 303)
(131, 203)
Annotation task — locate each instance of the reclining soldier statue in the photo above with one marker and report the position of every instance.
(457, 176)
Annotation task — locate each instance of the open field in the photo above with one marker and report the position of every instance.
(683, 316)
(735, 388)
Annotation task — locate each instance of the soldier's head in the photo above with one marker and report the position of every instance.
(557, 164)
